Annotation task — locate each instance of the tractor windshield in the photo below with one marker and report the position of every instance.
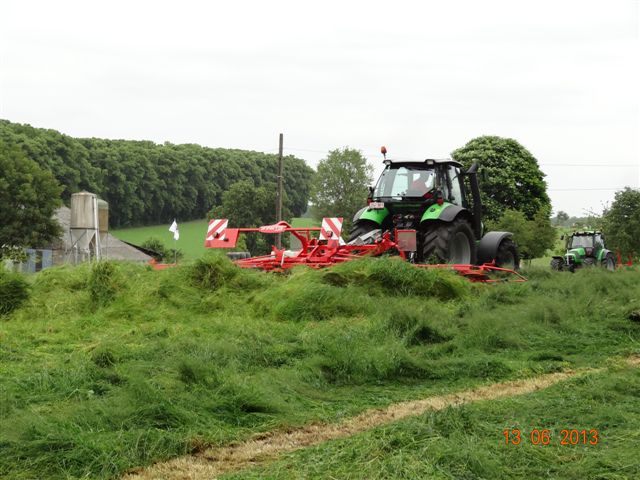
(584, 241)
(405, 182)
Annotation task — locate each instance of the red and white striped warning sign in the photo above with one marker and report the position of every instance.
(331, 229)
(216, 230)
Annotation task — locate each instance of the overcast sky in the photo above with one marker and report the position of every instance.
(422, 78)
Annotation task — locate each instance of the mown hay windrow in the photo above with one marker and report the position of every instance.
(14, 291)
(105, 280)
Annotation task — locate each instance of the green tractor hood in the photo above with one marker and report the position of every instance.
(434, 212)
(577, 252)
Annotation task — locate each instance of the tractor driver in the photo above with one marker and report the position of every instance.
(423, 184)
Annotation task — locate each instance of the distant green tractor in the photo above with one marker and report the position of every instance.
(585, 249)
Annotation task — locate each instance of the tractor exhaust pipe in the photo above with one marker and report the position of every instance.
(472, 172)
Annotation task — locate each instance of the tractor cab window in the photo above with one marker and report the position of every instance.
(599, 242)
(584, 241)
(455, 192)
(404, 182)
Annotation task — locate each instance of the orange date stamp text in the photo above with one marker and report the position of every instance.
(540, 436)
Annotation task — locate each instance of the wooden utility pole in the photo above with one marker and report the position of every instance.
(279, 194)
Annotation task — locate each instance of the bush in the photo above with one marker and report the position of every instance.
(162, 253)
(155, 245)
(173, 255)
(14, 291)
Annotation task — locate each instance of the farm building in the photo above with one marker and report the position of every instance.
(62, 251)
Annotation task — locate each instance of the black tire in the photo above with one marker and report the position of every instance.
(238, 255)
(589, 262)
(507, 256)
(449, 242)
(609, 262)
(556, 264)
(360, 228)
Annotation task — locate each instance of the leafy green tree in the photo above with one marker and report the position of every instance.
(340, 185)
(29, 197)
(562, 218)
(512, 179)
(621, 222)
(534, 237)
(62, 155)
(148, 183)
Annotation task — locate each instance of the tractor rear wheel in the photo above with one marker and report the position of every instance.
(360, 228)
(451, 242)
(556, 264)
(609, 262)
(588, 262)
(507, 256)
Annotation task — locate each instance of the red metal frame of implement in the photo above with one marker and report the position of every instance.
(320, 253)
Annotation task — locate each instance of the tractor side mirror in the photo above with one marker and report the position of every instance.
(371, 189)
(561, 237)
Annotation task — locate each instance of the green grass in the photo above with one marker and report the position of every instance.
(191, 242)
(107, 368)
(305, 222)
(468, 441)
(192, 235)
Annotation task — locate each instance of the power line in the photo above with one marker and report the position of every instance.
(619, 165)
(588, 165)
(306, 150)
(583, 189)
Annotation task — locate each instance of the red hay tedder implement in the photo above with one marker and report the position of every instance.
(328, 249)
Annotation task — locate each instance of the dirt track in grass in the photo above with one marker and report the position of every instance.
(213, 462)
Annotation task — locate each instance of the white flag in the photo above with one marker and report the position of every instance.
(174, 228)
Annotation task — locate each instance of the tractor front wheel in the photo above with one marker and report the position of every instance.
(452, 242)
(360, 228)
(556, 264)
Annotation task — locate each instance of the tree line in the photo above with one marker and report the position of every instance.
(149, 183)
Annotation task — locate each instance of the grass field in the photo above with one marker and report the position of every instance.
(117, 366)
(191, 240)
(468, 441)
(192, 235)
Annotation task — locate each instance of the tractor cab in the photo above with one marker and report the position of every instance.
(434, 207)
(405, 191)
(586, 240)
(420, 182)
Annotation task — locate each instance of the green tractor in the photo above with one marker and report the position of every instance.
(585, 249)
(440, 203)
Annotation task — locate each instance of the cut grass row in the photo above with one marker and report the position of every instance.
(468, 441)
(169, 362)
